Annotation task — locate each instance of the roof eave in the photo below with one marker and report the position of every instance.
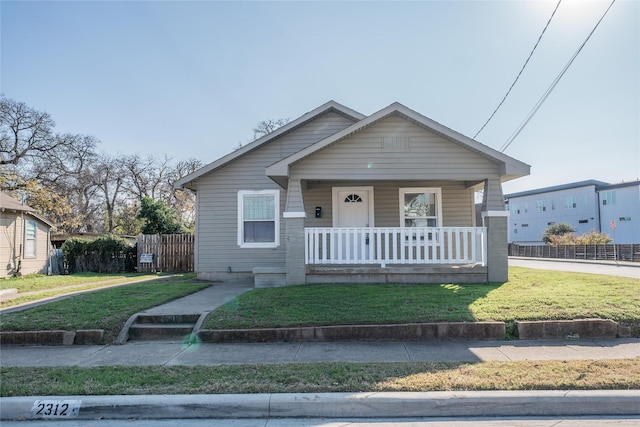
(326, 107)
(510, 167)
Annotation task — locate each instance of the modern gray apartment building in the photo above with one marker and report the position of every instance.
(586, 205)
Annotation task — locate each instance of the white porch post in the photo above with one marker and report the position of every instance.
(294, 216)
(495, 218)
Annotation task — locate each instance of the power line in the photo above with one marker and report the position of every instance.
(521, 70)
(553, 85)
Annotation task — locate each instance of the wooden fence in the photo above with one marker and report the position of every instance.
(169, 253)
(629, 252)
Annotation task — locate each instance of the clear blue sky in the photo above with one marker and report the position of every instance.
(192, 79)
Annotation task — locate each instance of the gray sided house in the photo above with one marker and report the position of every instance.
(338, 197)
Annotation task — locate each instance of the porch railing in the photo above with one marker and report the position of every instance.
(396, 245)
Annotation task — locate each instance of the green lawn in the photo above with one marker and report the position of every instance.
(39, 282)
(35, 287)
(322, 377)
(528, 295)
(106, 309)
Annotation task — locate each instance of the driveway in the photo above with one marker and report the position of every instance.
(611, 268)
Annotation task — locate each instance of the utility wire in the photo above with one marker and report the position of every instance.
(553, 85)
(521, 70)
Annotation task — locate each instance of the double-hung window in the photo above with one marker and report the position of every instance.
(420, 207)
(30, 243)
(258, 219)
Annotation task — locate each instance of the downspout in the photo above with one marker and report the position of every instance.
(598, 211)
(49, 252)
(19, 263)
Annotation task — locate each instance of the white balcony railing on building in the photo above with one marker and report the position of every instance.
(396, 245)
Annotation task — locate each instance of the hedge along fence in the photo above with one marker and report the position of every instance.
(106, 254)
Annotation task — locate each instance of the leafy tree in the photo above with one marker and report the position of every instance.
(557, 229)
(126, 221)
(159, 218)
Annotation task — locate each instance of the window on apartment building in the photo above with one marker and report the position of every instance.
(30, 239)
(570, 202)
(608, 197)
(583, 221)
(258, 214)
(514, 209)
(540, 206)
(526, 207)
(553, 204)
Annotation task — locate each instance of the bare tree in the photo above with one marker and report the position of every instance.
(183, 201)
(24, 132)
(109, 178)
(68, 170)
(267, 126)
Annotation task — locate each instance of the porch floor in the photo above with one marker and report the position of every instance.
(417, 274)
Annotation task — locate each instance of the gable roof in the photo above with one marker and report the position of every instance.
(511, 168)
(8, 203)
(289, 127)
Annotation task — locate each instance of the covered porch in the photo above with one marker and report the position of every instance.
(321, 249)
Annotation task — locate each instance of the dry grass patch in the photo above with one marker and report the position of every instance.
(322, 378)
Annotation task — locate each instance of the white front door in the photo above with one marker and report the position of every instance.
(352, 207)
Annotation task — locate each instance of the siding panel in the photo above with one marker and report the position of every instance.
(217, 249)
(420, 154)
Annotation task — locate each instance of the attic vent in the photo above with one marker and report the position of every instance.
(353, 198)
(396, 143)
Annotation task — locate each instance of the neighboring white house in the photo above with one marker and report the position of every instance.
(24, 239)
(335, 196)
(586, 205)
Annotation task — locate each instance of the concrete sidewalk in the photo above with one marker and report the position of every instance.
(177, 353)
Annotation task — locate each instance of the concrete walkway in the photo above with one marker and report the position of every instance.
(176, 353)
(204, 300)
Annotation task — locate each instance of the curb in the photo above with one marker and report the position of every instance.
(329, 405)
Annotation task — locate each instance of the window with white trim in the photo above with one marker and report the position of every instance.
(258, 219)
(30, 236)
(420, 207)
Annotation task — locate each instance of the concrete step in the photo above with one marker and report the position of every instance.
(157, 331)
(167, 318)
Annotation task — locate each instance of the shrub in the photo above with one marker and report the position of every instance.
(102, 255)
(558, 229)
(591, 238)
